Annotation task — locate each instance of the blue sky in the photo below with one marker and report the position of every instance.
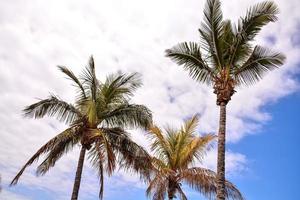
(274, 158)
(131, 36)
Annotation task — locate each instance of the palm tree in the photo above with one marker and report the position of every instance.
(96, 121)
(226, 58)
(175, 152)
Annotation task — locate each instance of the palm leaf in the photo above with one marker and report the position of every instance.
(118, 87)
(190, 125)
(132, 157)
(260, 61)
(103, 143)
(159, 144)
(249, 26)
(44, 149)
(196, 149)
(257, 16)
(210, 31)
(128, 115)
(62, 146)
(189, 55)
(157, 187)
(72, 77)
(90, 82)
(204, 181)
(53, 106)
(97, 158)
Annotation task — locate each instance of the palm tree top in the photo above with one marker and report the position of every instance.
(96, 102)
(225, 51)
(179, 148)
(175, 151)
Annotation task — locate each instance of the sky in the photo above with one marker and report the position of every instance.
(262, 158)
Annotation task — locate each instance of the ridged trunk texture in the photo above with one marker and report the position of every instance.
(221, 154)
(78, 174)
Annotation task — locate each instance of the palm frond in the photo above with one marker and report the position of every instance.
(189, 55)
(257, 16)
(103, 143)
(228, 37)
(62, 146)
(72, 77)
(97, 158)
(44, 149)
(180, 139)
(190, 125)
(195, 150)
(53, 106)
(118, 87)
(204, 181)
(259, 62)
(157, 187)
(200, 179)
(232, 191)
(249, 26)
(159, 144)
(129, 115)
(90, 82)
(132, 157)
(210, 31)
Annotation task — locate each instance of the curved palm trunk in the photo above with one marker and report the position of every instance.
(78, 174)
(221, 154)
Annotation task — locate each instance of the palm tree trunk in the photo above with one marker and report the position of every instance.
(221, 154)
(171, 190)
(170, 195)
(78, 174)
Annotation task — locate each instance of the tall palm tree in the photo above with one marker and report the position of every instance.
(175, 152)
(226, 58)
(96, 121)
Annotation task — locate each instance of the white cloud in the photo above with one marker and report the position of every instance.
(130, 36)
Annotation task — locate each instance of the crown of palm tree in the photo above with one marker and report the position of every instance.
(175, 152)
(225, 55)
(96, 121)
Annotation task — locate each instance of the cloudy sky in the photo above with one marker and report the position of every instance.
(36, 36)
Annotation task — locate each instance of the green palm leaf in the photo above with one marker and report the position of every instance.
(72, 77)
(118, 87)
(257, 16)
(132, 157)
(210, 31)
(90, 82)
(129, 115)
(260, 61)
(189, 55)
(249, 26)
(53, 106)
